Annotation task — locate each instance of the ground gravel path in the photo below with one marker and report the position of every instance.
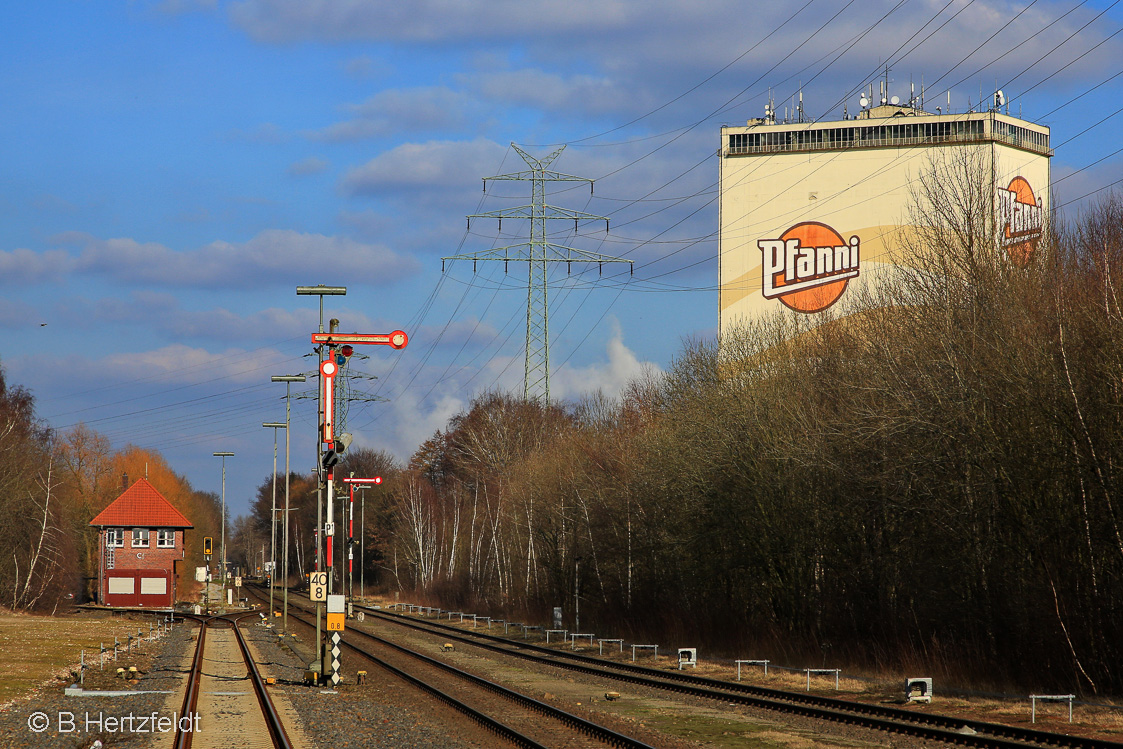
(382, 713)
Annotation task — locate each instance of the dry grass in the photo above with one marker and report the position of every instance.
(39, 650)
(1103, 723)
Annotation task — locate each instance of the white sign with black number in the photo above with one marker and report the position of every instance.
(318, 586)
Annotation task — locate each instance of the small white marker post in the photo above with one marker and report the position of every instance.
(751, 662)
(601, 642)
(1033, 698)
(835, 671)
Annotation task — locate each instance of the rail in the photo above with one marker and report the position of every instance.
(570, 720)
(877, 717)
(273, 722)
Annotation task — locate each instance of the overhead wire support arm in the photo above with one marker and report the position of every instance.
(538, 253)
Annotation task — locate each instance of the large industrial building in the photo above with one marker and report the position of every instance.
(810, 210)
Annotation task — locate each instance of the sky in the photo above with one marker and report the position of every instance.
(171, 171)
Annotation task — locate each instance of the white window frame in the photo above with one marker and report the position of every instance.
(165, 538)
(114, 537)
(141, 538)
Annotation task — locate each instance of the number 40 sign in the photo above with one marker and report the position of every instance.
(318, 586)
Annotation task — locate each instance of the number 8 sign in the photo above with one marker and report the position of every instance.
(318, 586)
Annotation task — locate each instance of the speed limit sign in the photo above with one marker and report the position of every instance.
(318, 586)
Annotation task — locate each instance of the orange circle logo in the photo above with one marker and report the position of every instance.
(1022, 219)
(809, 266)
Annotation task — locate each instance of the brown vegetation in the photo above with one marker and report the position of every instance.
(932, 484)
(51, 485)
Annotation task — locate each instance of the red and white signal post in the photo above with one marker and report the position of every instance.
(339, 348)
(352, 484)
(334, 446)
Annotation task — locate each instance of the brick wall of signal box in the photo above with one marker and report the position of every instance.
(125, 557)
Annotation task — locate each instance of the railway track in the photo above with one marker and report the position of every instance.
(877, 717)
(481, 699)
(226, 693)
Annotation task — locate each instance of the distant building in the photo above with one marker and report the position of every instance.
(141, 538)
(809, 209)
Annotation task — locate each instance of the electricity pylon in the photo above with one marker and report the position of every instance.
(538, 253)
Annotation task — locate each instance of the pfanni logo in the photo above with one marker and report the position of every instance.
(809, 266)
(1021, 217)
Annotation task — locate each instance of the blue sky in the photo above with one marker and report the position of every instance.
(171, 171)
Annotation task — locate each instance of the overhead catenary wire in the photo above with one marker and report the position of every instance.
(479, 286)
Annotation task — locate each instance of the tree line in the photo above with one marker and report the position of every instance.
(52, 484)
(928, 483)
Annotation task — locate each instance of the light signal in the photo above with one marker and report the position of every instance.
(208, 544)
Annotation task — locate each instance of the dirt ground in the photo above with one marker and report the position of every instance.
(724, 728)
(42, 650)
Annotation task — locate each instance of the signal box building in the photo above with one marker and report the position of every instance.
(809, 210)
(141, 537)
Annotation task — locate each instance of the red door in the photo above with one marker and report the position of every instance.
(147, 588)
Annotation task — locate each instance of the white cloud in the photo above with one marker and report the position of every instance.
(628, 58)
(405, 422)
(365, 67)
(175, 364)
(273, 256)
(23, 266)
(470, 332)
(14, 315)
(306, 167)
(163, 314)
(565, 95)
(433, 166)
(399, 111)
(428, 20)
(607, 377)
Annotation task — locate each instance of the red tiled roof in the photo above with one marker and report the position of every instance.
(141, 506)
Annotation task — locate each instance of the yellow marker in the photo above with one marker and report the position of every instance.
(335, 622)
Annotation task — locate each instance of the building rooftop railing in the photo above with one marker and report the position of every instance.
(898, 142)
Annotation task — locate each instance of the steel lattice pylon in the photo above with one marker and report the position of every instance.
(538, 253)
